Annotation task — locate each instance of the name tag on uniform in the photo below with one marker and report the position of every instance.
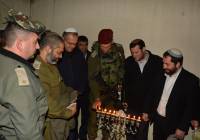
(22, 77)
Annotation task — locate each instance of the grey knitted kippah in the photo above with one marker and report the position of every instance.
(174, 52)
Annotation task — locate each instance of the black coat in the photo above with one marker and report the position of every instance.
(73, 69)
(197, 103)
(180, 106)
(137, 84)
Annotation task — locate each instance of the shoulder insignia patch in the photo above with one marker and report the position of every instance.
(22, 77)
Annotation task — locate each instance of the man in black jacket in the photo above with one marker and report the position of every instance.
(172, 101)
(73, 69)
(140, 71)
(83, 46)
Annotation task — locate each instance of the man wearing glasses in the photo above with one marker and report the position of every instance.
(73, 70)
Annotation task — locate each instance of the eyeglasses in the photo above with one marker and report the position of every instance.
(71, 44)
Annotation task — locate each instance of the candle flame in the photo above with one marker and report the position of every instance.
(139, 118)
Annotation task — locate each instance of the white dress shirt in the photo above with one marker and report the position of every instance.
(143, 62)
(169, 84)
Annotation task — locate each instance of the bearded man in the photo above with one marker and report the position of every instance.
(171, 104)
(59, 119)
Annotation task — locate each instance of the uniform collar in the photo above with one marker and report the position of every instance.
(15, 57)
(111, 51)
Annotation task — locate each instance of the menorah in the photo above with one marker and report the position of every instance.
(117, 124)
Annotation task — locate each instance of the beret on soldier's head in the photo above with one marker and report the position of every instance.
(24, 22)
(105, 36)
(174, 52)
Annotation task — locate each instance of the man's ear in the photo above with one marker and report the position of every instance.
(144, 49)
(48, 48)
(178, 65)
(19, 45)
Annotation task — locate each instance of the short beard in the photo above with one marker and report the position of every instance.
(50, 58)
(171, 72)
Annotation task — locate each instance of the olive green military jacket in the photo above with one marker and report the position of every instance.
(105, 71)
(23, 104)
(59, 96)
(59, 121)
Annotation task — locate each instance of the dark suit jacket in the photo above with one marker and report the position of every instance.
(180, 106)
(137, 84)
(197, 108)
(73, 69)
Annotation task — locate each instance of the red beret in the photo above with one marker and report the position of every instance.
(105, 36)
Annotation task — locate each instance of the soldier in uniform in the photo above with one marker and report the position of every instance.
(23, 104)
(105, 71)
(60, 98)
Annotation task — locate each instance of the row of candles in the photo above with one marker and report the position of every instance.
(118, 124)
(114, 113)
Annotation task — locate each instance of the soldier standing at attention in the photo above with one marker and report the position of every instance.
(58, 120)
(23, 104)
(105, 71)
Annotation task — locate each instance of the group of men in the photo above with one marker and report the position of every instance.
(42, 100)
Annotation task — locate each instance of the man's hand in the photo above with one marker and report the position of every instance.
(145, 117)
(195, 124)
(96, 104)
(179, 134)
(72, 107)
(125, 105)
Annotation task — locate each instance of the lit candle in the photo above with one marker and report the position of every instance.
(133, 118)
(105, 110)
(108, 112)
(114, 113)
(139, 119)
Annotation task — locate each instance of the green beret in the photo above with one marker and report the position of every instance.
(24, 21)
